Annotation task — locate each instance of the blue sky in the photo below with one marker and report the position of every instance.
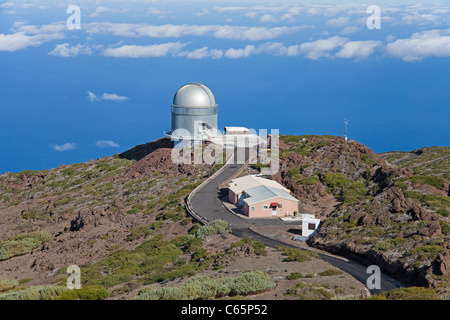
(69, 96)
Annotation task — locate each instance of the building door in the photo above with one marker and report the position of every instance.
(274, 206)
(274, 211)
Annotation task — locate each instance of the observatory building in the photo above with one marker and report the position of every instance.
(194, 114)
(194, 120)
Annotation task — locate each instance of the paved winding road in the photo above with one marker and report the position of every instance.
(207, 204)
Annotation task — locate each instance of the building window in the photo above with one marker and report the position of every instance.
(265, 207)
(252, 208)
(311, 226)
(280, 205)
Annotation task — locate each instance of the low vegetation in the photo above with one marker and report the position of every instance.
(310, 291)
(203, 287)
(214, 227)
(296, 254)
(410, 293)
(330, 272)
(34, 293)
(6, 285)
(22, 244)
(85, 293)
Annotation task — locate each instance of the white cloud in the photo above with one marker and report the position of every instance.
(6, 5)
(92, 97)
(275, 48)
(149, 51)
(433, 43)
(65, 50)
(177, 31)
(106, 96)
(349, 30)
(19, 40)
(106, 144)
(417, 18)
(248, 9)
(25, 35)
(290, 13)
(113, 97)
(101, 9)
(337, 22)
(240, 53)
(64, 147)
(202, 53)
(321, 48)
(156, 11)
(358, 49)
(268, 18)
(203, 12)
(254, 33)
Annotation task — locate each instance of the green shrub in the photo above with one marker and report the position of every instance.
(171, 293)
(22, 244)
(294, 276)
(434, 181)
(330, 272)
(443, 212)
(34, 293)
(297, 254)
(389, 244)
(309, 180)
(293, 172)
(197, 288)
(348, 191)
(214, 227)
(25, 280)
(122, 265)
(191, 243)
(426, 252)
(85, 293)
(183, 271)
(310, 291)
(368, 160)
(204, 287)
(434, 201)
(6, 285)
(412, 293)
(251, 282)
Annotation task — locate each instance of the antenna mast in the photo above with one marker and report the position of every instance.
(346, 125)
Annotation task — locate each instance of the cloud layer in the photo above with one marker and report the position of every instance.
(338, 23)
(64, 147)
(106, 96)
(433, 43)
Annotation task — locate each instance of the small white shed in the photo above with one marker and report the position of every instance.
(309, 225)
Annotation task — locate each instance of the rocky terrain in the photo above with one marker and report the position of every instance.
(392, 209)
(122, 220)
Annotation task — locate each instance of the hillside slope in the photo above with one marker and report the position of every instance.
(122, 220)
(394, 216)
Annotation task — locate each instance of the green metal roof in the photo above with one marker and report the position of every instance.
(261, 193)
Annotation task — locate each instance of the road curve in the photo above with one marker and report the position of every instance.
(206, 203)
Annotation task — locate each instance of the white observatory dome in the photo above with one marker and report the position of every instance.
(194, 95)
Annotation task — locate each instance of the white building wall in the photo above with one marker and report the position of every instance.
(307, 225)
